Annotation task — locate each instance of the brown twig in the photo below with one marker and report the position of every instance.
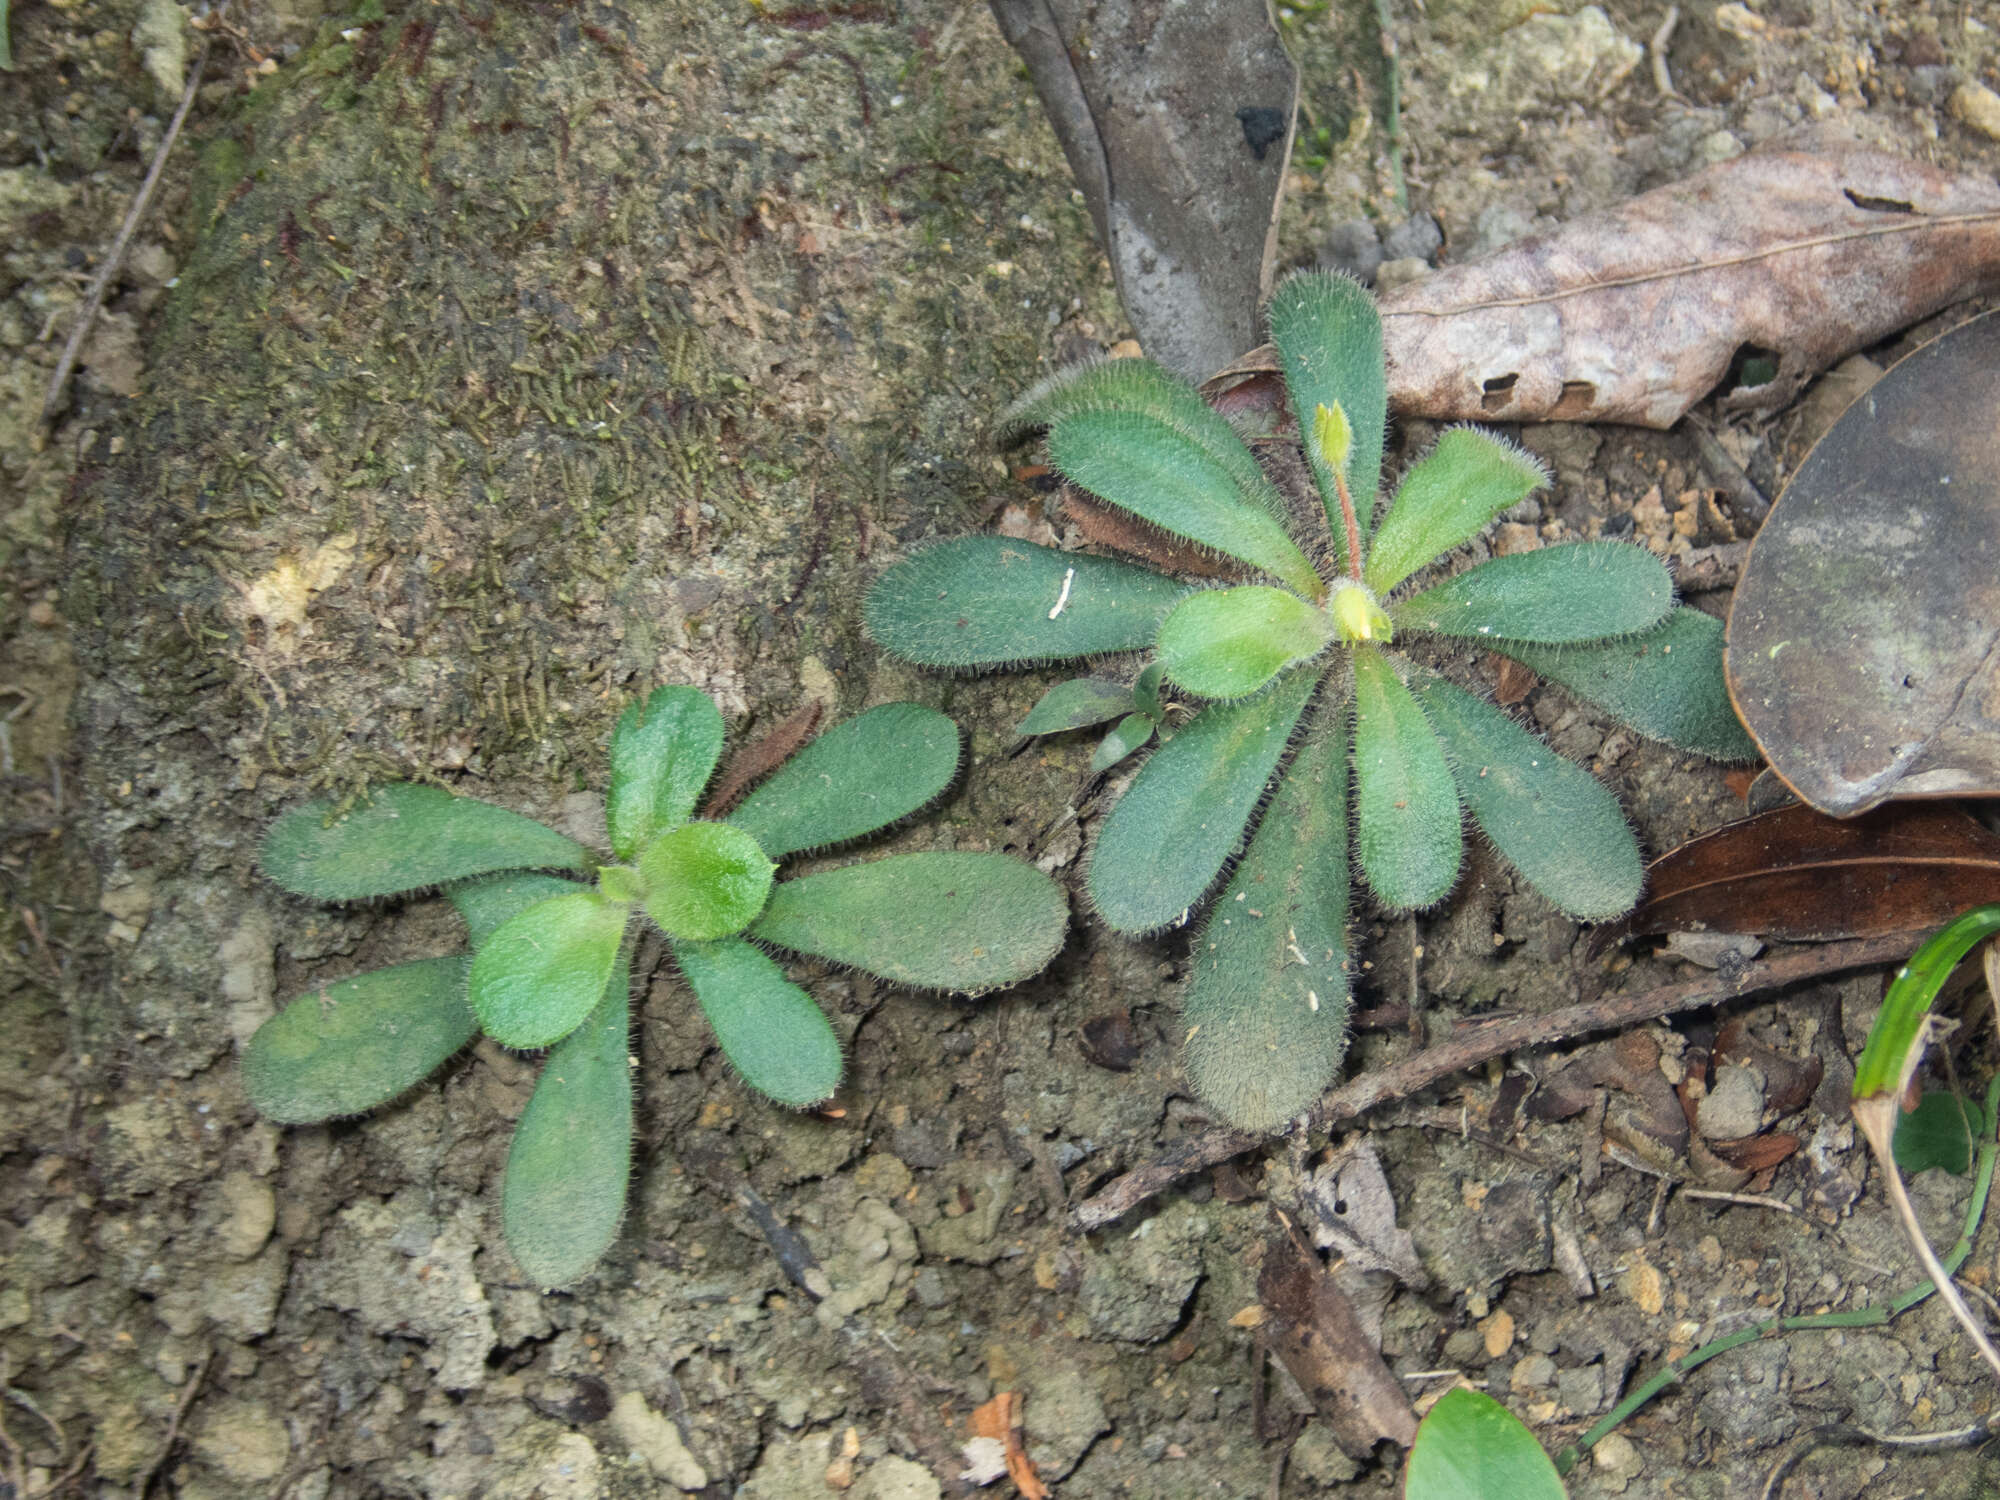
(174, 1425)
(1477, 1045)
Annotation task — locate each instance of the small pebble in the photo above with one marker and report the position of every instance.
(1979, 107)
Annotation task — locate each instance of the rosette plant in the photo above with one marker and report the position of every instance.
(550, 954)
(1316, 692)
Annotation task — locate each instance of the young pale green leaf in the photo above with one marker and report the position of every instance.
(347, 1047)
(490, 902)
(1553, 820)
(1076, 703)
(1470, 1447)
(1666, 683)
(542, 972)
(1329, 339)
(1581, 591)
(987, 601)
(859, 776)
(1146, 692)
(1447, 499)
(1224, 643)
(942, 920)
(1942, 1131)
(564, 1193)
(1184, 814)
(1408, 826)
(405, 837)
(1127, 736)
(1899, 1034)
(1265, 1014)
(662, 754)
(704, 880)
(1162, 476)
(767, 1027)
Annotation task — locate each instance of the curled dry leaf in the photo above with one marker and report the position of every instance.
(999, 1420)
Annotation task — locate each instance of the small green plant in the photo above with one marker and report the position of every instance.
(550, 955)
(1470, 1447)
(1386, 754)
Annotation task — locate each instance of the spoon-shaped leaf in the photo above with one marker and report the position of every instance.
(490, 902)
(859, 776)
(543, 971)
(984, 601)
(1265, 1013)
(1666, 683)
(704, 880)
(1159, 474)
(662, 754)
(571, 1157)
(1409, 832)
(1555, 821)
(1470, 1447)
(1224, 643)
(1447, 499)
(1582, 591)
(1073, 704)
(768, 1027)
(405, 837)
(1183, 816)
(1125, 737)
(941, 920)
(346, 1047)
(1329, 338)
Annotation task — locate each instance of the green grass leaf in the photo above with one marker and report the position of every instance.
(768, 1028)
(1666, 683)
(705, 880)
(403, 838)
(1554, 821)
(941, 920)
(1225, 643)
(1409, 830)
(1448, 498)
(1582, 591)
(543, 971)
(1266, 1007)
(1159, 474)
(1942, 1131)
(1183, 816)
(1126, 737)
(987, 601)
(1076, 703)
(1329, 339)
(564, 1194)
(662, 754)
(1470, 1447)
(346, 1047)
(491, 901)
(861, 775)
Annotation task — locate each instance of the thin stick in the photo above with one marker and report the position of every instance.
(174, 1426)
(1751, 1200)
(59, 383)
(1663, 81)
(1847, 1433)
(1477, 1045)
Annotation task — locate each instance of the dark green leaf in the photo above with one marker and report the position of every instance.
(542, 972)
(1409, 830)
(1447, 499)
(1470, 1447)
(944, 921)
(1073, 704)
(985, 601)
(1183, 816)
(491, 901)
(704, 880)
(1329, 339)
(1129, 734)
(1225, 643)
(346, 1047)
(859, 776)
(1582, 591)
(1146, 692)
(405, 837)
(1944, 1130)
(662, 754)
(768, 1027)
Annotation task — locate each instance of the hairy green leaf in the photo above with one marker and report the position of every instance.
(1184, 814)
(1128, 735)
(1156, 472)
(1329, 340)
(1666, 683)
(1265, 1012)
(405, 837)
(704, 880)
(942, 920)
(1558, 825)
(1447, 499)
(543, 971)
(1581, 591)
(346, 1047)
(1224, 643)
(984, 601)
(1470, 1447)
(491, 901)
(564, 1193)
(768, 1027)
(1073, 704)
(1408, 827)
(662, 754)
(859, 776)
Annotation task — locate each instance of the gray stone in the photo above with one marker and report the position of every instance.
(1136, 1289)
(1352, 247)
(1064, 1416)
(1734, 1107)
(655, 1439)
(893, 1478)
(242, 1441)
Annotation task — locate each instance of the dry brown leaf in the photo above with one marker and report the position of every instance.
(758, 759)
(1000, 1419)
